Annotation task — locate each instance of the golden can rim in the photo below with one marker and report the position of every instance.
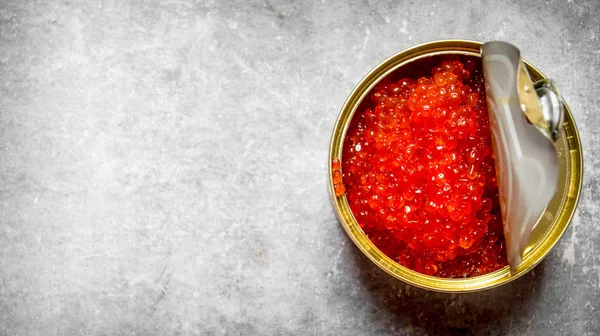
(558, 215)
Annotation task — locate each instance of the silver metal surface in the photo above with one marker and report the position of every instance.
(552, 106)
(526, 162)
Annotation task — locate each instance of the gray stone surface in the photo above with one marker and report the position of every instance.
(162, 168)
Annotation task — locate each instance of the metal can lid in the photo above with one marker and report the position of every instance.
(525, 120)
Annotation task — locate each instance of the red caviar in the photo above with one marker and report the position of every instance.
(419, 175)
(336, 172)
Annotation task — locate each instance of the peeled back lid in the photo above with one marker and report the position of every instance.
(525, 121)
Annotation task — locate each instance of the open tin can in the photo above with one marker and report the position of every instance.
(547, 231)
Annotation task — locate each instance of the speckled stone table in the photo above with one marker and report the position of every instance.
(162, 168)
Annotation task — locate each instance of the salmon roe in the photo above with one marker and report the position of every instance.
(336, 172)
(419, 174)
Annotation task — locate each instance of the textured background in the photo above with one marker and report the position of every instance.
(162, 168)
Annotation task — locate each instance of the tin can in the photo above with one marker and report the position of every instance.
(549, 228)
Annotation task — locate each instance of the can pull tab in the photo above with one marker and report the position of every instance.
(525, 122)
(541, 103)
